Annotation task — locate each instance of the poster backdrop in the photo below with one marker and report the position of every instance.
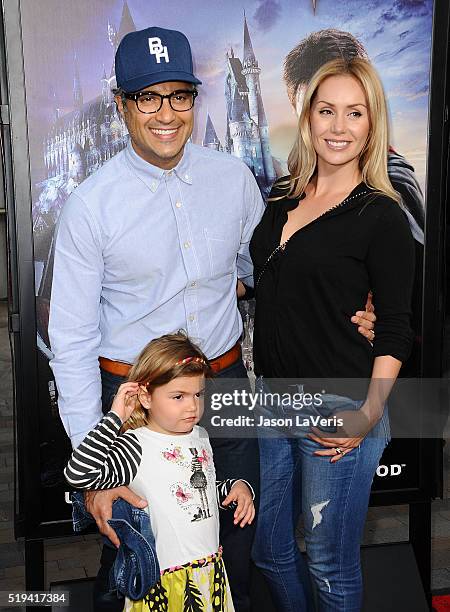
(247, 107)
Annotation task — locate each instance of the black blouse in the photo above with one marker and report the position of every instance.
(307, 292)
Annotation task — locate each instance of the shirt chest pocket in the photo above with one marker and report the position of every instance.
(223, 244)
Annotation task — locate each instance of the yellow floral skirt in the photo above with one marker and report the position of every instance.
(199, 586)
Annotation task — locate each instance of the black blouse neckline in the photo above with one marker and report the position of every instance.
(291, 203)
(288, 204)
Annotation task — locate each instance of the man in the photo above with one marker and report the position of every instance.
(153, 242)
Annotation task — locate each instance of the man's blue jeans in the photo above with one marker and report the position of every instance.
(333, 498)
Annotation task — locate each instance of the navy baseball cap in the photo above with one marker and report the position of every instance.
(151, 56)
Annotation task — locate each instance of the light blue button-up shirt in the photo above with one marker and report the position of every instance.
(141, 252)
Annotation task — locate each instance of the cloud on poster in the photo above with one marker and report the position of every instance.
(388, 55)
(403, 9)
(267, 14)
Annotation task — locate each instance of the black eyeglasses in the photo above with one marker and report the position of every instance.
(149, 102)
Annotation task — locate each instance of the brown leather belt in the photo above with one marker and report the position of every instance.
(227, 359)
(119, 368)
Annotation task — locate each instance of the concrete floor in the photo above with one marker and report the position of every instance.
(78, 557)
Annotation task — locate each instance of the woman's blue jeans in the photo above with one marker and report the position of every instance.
(333, 498)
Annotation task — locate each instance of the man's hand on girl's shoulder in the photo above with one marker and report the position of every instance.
(366, 319)
(99, 504)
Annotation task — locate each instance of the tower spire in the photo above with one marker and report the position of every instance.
(77, 93)
(127, 24)
(56, 109)
(211, 139)
(249, 54)
(106, 88)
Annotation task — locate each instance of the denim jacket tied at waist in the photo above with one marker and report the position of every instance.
(136, 568)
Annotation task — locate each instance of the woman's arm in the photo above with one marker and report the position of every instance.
(384, 374)
(390, 263)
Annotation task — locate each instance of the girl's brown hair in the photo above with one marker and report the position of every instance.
(162, 360)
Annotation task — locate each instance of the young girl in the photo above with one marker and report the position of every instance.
(150, 441)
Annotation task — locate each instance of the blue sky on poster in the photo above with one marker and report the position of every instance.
(396, 34)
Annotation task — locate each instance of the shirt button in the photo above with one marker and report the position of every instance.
(169, 173)
(153, 186)
(187, 245)
(178, 204)
(191, 317)
(193, 284)
(186, 176)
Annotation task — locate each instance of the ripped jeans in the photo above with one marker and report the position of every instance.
(333, 498)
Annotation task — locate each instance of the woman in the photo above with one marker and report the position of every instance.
(331, 232)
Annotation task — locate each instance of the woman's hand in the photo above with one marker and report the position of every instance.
(125, 400)
(353, 427)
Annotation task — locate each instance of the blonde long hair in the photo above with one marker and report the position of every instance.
(162, 360)
(302, 160)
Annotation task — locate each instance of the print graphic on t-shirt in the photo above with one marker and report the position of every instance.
(203, 457)
(174, 454)
(191, 491)
(199, 482)
(182, 495)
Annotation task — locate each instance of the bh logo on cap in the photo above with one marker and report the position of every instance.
(158, 49)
